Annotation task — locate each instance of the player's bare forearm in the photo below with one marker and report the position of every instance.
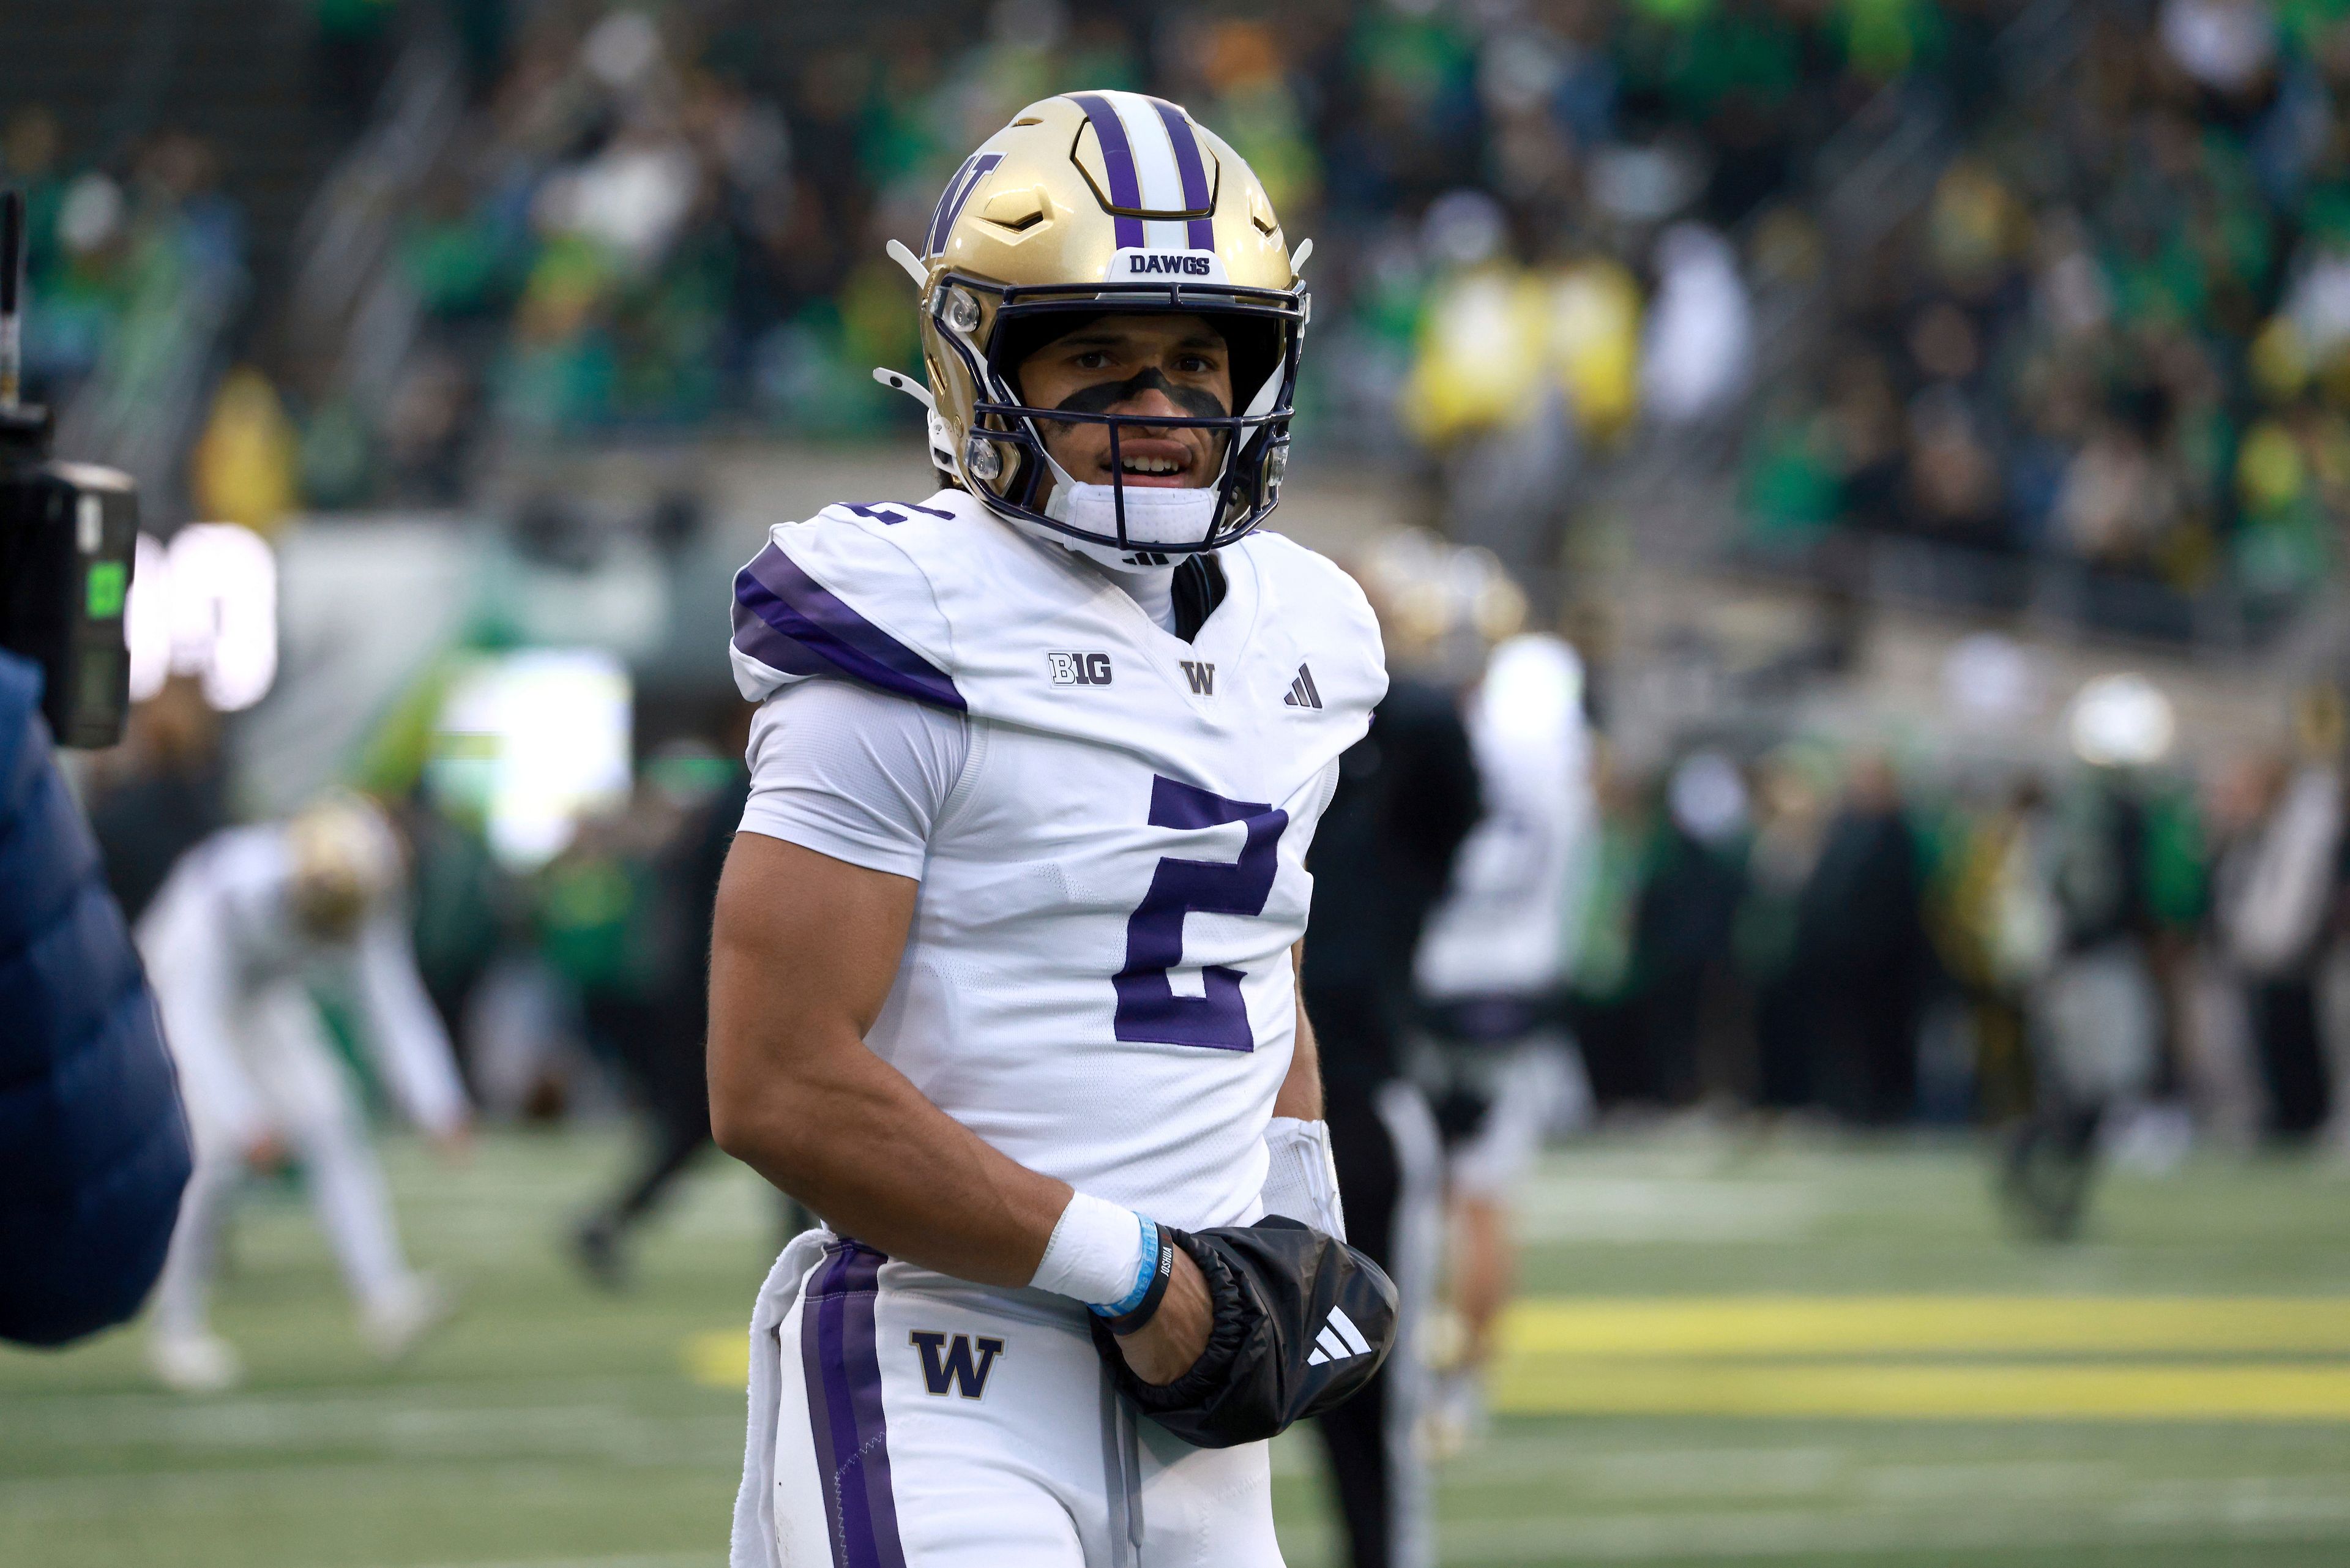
(1300, 1095)
(803, 950)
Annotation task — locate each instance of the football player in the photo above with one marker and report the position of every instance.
(1001, 980)
(1406, 797)
(1491, 972)
(245, 922)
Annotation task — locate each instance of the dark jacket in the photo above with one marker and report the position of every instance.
(1406, 797)
(93, 1147)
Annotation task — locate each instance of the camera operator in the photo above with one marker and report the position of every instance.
(93, 1147)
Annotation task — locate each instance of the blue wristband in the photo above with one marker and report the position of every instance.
(1146, 1274)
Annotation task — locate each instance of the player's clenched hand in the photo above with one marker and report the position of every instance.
(1164, 1348)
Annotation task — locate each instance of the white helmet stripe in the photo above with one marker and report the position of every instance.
(1154, 161)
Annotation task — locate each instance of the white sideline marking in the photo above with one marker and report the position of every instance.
(1778, 1533)
(635, 1559)
(1602, 1208)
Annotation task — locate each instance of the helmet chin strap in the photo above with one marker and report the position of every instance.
(1154, 516)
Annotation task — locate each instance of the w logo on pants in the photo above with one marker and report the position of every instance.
(964, 1366)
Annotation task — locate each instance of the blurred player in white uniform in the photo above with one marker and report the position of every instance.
(1002, 969)
(245, 923)
(1492, 973)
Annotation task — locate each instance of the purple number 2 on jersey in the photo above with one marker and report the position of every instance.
(1147, 1007)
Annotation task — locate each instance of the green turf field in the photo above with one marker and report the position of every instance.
(1794, 1354)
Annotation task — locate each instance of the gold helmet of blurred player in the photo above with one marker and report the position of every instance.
(346, 863)
(1442, 607)
(1093, 204)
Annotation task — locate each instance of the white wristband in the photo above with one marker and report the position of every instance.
(1301, 1180)
(1095, 1252)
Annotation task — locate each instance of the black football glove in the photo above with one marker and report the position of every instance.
(1302, 1323)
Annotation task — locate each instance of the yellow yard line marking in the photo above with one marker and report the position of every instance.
(1713, 1355)
(717, 1359)
(2243, 1392)
(1880, 1325)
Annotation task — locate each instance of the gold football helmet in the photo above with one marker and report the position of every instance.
(347, 862)
(1087, 204)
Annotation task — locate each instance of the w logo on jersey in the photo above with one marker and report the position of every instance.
(962, 1366)
(1201, 674)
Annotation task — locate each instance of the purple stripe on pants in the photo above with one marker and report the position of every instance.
(1202, 230)
(1117, 160)
(842, 1369)
(789, 621)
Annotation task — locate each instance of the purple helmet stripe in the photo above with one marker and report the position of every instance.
(1202, 235)
(1117, 160)
(842, 1369)
(787, 620)
(975, 168)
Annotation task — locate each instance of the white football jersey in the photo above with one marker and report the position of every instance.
(1098, 979)
(1504, 927)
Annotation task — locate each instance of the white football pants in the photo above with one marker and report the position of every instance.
(922, 1422)
(311, 1104)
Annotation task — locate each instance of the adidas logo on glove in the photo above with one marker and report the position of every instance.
(1339, 1340)
(1261, 1371)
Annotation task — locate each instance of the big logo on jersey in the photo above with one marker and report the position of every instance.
(961, 1366)
(1147, 1007)
(1079, 669)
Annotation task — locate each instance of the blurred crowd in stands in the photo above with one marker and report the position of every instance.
(2066, 280)
(2114, 330)
(135, 275)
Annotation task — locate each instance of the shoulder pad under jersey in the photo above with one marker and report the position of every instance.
(1324, 612)
(845, 596)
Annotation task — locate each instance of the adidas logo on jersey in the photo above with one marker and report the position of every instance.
(1301, 693)
(1079, 669)
(1339, 1340)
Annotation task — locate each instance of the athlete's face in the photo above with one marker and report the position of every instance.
(1142, 364)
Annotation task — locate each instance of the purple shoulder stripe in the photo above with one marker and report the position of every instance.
(841, 1366)
(1118, 159)
(788, 621)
